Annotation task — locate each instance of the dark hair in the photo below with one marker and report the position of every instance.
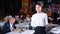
(37, 3)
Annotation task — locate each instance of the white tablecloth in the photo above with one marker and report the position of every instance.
(1, 24)
(58, 18)
(56, 30)
(25, 32)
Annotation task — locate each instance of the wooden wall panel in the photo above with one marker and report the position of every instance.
(26, 7)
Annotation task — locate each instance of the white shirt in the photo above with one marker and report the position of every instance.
(39, 19)
(11, 26)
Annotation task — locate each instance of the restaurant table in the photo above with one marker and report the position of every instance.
(1, 25)
(55, 30)
(25, 32)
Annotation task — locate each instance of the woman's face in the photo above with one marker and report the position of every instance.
(38, 8)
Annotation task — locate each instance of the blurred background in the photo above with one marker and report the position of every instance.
(26, 8)
(18, 7)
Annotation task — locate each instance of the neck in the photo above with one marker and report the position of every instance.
(38, 12)
(11, 23)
